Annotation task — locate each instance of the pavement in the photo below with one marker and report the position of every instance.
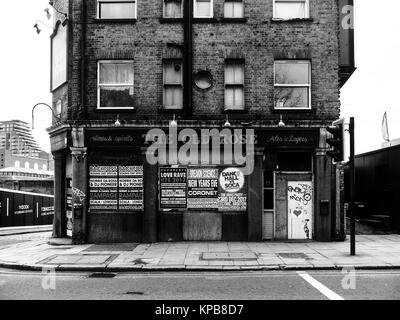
(373, 252)
(25, 229)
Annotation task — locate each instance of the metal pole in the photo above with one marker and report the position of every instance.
(352, 191)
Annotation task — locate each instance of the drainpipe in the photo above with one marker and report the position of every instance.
(82, 110)
(188, 57)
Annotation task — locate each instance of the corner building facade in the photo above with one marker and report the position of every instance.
(122, 68)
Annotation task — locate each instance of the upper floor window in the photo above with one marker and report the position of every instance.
(115, 84)
(203, 8)
(173, 9)
(233, 9)
(291, 9)
(116, 9)
(173, 85)
(292, 84)
(234, 85)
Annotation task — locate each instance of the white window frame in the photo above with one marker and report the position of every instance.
(181, 1)
(307, 9)
(165, 107)
(211, 10)
(297, 85)
(241, 1)
(112, 84)
(233, 85)
(116, 1)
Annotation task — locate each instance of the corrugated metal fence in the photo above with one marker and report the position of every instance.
(19, 208)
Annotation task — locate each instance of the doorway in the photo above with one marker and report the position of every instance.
(294, 205)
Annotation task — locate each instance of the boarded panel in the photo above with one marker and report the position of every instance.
(234, 227)
(202, 226)
(117, 227)
(169, 226)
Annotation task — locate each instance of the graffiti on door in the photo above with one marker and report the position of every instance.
(300, 198)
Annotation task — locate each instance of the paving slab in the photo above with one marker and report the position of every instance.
(372, 252)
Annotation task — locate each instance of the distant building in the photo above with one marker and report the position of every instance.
(8, 159)
(23, 165)
(16, 136)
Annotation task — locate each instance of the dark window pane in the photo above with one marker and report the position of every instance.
(268, 199)
(291, 97)
(268, 179)
(116, 97)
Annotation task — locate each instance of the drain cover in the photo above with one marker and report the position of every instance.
(138, 293)
(102, 275)
(293, 255)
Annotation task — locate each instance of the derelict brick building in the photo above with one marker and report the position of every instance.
(121, 68)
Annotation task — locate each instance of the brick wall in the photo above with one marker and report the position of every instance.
(259, 41)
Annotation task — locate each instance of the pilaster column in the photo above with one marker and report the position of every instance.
(150, 190)
(59, 221)
(254, 198)
(79, 194)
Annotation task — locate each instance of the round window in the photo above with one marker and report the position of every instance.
(203, 80)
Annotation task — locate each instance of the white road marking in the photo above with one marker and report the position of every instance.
(319, 286)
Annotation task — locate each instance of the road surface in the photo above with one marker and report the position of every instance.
(315, 285)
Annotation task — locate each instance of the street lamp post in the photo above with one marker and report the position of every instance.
(45, 104)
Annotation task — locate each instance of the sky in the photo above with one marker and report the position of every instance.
(372, 90)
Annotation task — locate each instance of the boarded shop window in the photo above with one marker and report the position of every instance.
(173, 9)
(203, 188)
(173, 89)
(115, 85)
(233, 9)
(234, 85)
(292, 84)
(291, 9)
(203, 8)
(116, 9)
(116, 187)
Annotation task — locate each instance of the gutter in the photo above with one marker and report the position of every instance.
(188, 58)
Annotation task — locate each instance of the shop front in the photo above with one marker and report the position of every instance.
(114, 193)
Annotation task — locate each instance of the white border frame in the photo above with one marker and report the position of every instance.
(108, 85)
(299, 85)
(203, 17)
(307, 9)
(98, 9)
